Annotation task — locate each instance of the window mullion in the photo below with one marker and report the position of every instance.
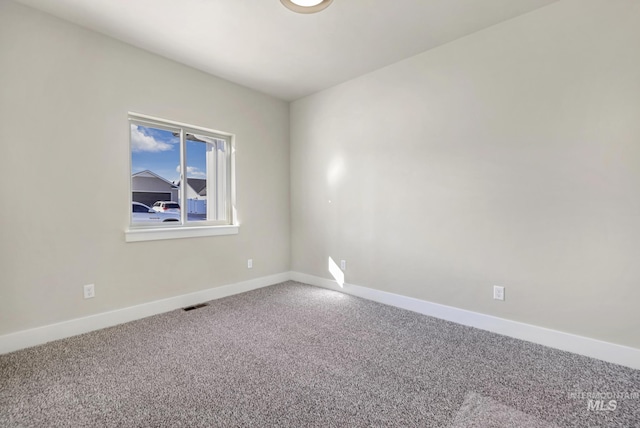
(183, 178)
(221, 178)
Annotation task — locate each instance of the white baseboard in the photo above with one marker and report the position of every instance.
(611, 352)
(589, 347)
(37, 336)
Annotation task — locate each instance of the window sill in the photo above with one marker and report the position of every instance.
(144, 234)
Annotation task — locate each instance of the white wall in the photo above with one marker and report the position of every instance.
(64, 97)
(508, 157)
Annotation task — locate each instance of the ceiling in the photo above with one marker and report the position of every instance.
(264, 46)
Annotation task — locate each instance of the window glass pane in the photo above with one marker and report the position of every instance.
(155, 170)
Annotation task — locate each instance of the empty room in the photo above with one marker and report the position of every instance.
(331, 213)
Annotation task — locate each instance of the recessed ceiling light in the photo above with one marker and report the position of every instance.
(306, 6)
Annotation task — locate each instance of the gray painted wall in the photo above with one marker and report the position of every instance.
(64, 97)
(509, 157)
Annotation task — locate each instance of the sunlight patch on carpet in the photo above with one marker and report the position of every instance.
(479, 411)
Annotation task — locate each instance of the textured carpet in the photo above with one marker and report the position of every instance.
(295, 355)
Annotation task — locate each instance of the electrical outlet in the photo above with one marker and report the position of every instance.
(89, 291)
(498, 292)
(343, 264)
(250, 264)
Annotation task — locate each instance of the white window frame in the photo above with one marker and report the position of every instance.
(224, 187)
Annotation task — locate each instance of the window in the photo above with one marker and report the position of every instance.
(181, 178)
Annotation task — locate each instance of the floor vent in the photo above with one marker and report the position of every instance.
(190, 308)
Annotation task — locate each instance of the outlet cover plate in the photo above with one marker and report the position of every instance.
(89, 291)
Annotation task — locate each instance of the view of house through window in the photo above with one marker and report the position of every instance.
(179, 176)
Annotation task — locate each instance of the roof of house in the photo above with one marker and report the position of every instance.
(199, 185)
(150, 174)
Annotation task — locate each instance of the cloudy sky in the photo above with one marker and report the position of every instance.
(159, 151)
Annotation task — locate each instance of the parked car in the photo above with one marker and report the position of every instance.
(144, 214)
(167, 207)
